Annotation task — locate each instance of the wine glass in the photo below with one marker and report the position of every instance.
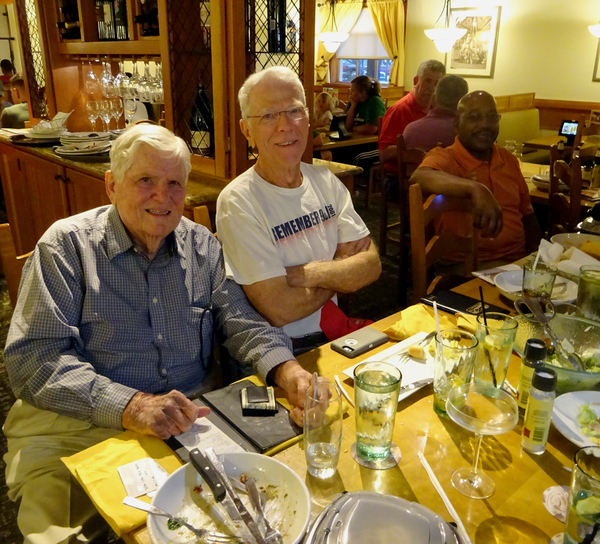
(145, 85)
(107, 82)
(104, 109)
(158, 95)
(134, 82)
(116, 110)
(91, 82)
(484, 410)
(129, 107)
(91, 108)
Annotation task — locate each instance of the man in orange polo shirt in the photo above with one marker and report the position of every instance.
(475, 168)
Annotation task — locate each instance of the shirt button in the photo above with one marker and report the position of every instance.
(164, 371)
(160, 336)
(155, 300)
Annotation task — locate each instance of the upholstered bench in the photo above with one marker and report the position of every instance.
(520, 126)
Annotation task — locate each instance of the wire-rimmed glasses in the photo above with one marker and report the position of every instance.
(294, 114)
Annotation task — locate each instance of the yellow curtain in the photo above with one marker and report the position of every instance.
(346, 15)
(388, 16)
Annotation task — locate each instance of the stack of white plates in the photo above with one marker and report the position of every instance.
(45, 134)
(84, 144)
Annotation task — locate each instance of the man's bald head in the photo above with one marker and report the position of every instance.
(478, 123)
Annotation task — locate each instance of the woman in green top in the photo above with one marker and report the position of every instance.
(365, 106)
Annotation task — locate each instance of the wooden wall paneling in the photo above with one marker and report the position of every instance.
(17, 199)
(87, 21)
(236, 74)
(220, 84)
(163, 43)
(84, 192)
(553, 112)
(307, 55)
(46, 192)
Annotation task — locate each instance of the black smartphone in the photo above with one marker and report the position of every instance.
(359, 342)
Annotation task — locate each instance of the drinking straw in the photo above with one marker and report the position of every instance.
(537, 257)
(487, 353)
(316, 378)
(437, 318)
(438, 487)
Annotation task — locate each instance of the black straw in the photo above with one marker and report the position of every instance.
(487, 353)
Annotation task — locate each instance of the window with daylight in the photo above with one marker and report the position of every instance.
(362, 54)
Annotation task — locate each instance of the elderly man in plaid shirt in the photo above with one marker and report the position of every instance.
(114, 324)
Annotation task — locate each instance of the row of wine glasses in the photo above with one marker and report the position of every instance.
(145, 88)
(105, 110)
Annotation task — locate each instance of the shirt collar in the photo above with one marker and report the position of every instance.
(472, 162)
(118, 241)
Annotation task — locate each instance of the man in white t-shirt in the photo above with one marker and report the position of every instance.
(290, 234)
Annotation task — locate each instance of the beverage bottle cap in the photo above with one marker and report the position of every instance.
(544, 379)
(535, 349)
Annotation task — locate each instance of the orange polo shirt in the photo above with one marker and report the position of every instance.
(502, 176)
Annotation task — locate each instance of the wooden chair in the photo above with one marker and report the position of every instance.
(408, 160)
(428, 248)
(202, 217)
(564, 211)
(12, 265)
(376, 175)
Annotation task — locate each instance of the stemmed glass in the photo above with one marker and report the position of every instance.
(91, 82)
(121, 80)
(107, 82)
(104, 108)
(145, 85)
(129, 107)
(484, 410)
(134, 82)
(91, 108)
(116, 110)
(158, 95)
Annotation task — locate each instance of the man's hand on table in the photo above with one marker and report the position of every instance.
(161, 415)
(294, 380)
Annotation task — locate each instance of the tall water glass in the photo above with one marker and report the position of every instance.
(588, 294)
(496, 335)
(538, 279)
(376, 390)
(455, 353)
(584, 498)
(323, 412)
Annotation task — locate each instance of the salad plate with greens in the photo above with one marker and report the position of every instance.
(576, 415)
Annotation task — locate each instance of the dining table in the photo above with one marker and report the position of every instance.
(515, 512)
(354, 139)
(588, 145)
(538, 196)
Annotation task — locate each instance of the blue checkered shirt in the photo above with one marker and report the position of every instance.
(96, 321)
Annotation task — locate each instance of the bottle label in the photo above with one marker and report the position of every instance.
(537, 421)
(524, 385)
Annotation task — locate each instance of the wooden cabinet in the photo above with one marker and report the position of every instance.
(39, 192)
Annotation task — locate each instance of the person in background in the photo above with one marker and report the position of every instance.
(8, 70)
(291, 237)
(113, 329)
(16, 116)
(3, 102)
(326, 155)
(412, 107)
(324, 106)
(438, 127)
(474, 167)
(365, 106)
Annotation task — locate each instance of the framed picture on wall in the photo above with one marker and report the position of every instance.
(474, 55)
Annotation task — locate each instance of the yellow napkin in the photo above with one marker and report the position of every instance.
(467, 322)
(418, 318)
(96, 470)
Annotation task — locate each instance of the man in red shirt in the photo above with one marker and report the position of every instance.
(475, 168)
(412, 107)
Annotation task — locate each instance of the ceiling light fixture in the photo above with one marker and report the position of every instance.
(595, 30)
(444, 38)
(332, 40)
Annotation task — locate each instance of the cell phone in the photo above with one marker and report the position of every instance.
(452, 302)
(358, 342)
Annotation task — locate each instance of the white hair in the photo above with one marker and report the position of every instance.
(280, 73)
(125, 147)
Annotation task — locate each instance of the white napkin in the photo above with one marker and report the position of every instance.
(569, 261)
(550, 252)
(57, 123)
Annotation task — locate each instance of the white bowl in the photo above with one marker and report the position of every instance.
(510, 284)
(573, 239)
(177, 493)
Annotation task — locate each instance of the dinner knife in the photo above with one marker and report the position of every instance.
(239, 505)
(415, 385)
(208, 473)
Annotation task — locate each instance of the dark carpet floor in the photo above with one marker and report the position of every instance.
(373, 302)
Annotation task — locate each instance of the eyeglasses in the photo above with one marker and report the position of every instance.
(294, 114)
(475, 117)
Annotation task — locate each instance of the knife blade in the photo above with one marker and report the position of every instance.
(415, 385)
(208, 473)
(239, 505)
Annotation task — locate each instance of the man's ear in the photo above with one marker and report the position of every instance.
(109, 184)
(415, 80)
(245, 127)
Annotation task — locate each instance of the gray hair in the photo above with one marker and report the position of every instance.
(280, 73)
(433, 66)
(163, 141)
(450, 89)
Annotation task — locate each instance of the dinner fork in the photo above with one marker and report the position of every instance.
(205, 535)
(272, 536)
(405, 358)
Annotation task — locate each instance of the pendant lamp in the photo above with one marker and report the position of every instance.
(444, 38)
(332, 40)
